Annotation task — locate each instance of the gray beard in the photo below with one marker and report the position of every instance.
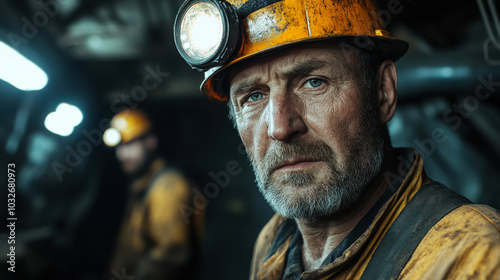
(301, 195)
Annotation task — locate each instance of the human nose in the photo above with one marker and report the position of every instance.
(285, 120)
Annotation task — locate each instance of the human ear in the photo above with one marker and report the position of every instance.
(387, 83)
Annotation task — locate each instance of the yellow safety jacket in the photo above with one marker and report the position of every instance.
(156, 241)
(461, 244)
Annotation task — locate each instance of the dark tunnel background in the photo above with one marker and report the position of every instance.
(70, 191)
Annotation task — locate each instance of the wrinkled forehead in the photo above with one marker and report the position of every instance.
(311, 56)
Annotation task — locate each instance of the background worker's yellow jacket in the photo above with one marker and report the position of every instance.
(157, 240)
(464, 244)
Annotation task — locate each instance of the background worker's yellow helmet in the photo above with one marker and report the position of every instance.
(214, 35)
(126, 126)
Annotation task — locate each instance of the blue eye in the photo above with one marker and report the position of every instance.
(314, 83)
(255, 96)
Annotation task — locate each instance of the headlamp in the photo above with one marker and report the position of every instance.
(112, 137)
(207, 32)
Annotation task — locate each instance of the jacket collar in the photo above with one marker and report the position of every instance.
(285, 253)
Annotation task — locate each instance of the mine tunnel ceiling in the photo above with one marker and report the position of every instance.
(113, 41)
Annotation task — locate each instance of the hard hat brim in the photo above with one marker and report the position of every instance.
(216, 86)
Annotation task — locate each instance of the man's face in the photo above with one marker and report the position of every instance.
(313, 140)
(132, 156)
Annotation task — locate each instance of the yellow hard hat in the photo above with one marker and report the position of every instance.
(126, 126)
(214, 35)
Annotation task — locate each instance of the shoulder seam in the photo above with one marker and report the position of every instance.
(484, 216)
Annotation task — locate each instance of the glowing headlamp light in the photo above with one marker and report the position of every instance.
(207, 32)
(112, 137)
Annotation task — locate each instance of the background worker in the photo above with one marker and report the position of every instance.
(157, 240)
(311, 86)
